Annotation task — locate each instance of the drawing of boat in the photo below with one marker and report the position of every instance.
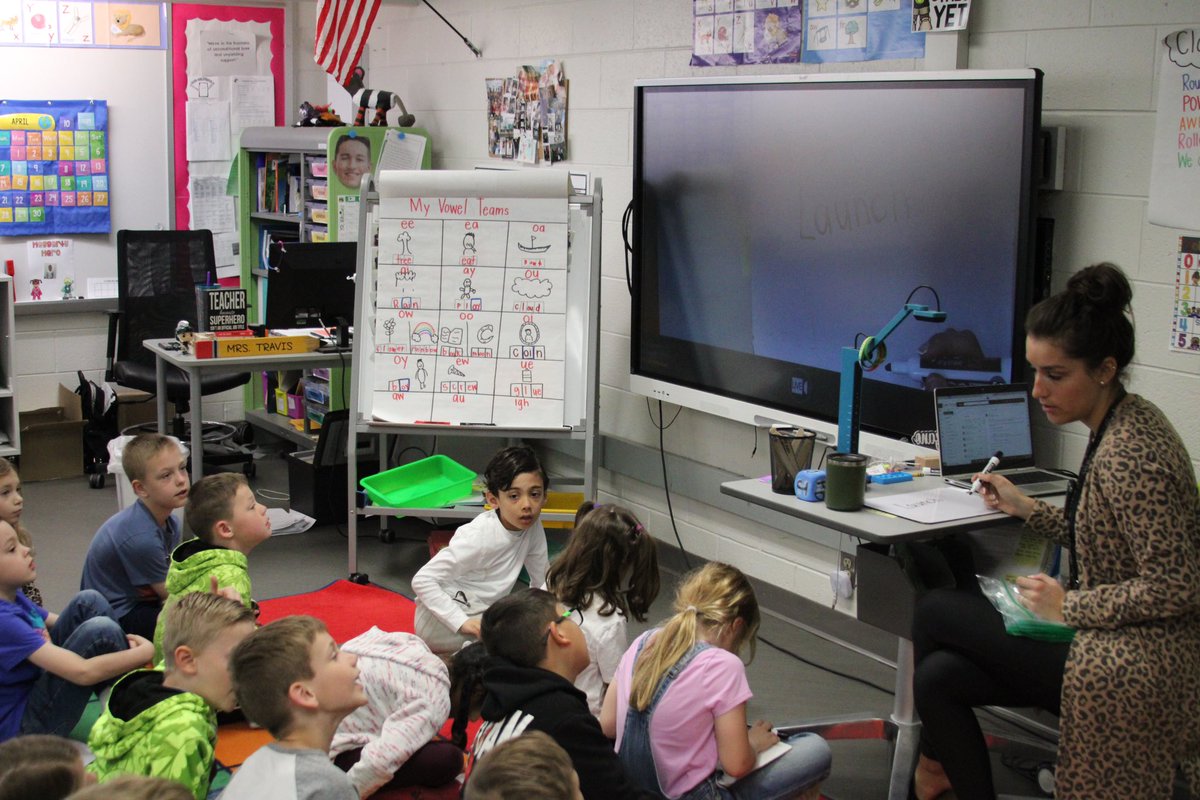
(532, 248)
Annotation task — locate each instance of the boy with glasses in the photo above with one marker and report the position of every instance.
(536, 650)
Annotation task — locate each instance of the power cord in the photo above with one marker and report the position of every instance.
(626, 223)
(662, 452)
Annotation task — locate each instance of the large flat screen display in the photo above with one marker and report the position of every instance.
(778, 220)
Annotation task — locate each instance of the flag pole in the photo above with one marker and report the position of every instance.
(478, 53)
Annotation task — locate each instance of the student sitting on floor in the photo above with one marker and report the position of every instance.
(529, 767)
(387, 742)
(50, 663)
(292, 679)
(678, 705)
(12, 503)
(609, 571)
(485, 556)
(164, 723)
(536, 651)
(228, 522)
(40, 766)
(128, 558)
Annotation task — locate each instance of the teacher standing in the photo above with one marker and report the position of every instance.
(1127, 689)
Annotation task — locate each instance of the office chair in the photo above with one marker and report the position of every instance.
(157, 274)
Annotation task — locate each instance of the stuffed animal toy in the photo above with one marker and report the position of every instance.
(381, 100)
(318, 117)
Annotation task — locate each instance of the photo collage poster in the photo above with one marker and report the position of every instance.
(527, 115)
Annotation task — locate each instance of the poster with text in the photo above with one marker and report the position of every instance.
(932, 16)
(470, 305)
(54, 176)
(731, 32)
(1185, 320)
(860, 30)
(1175, 169)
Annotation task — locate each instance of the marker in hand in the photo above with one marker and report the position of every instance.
(993, 462)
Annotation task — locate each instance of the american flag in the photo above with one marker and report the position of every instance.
(342, 30)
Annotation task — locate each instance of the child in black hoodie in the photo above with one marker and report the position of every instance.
(536, 650)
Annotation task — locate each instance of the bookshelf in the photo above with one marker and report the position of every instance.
(287, 191)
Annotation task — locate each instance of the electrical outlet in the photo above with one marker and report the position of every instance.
(847, 566)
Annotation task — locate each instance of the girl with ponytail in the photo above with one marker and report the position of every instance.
(678, 705)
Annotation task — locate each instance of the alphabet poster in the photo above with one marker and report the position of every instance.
(1175, 169)
(54, 170)
(470, 300)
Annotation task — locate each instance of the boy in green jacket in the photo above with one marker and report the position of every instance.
(228, 522)
(163, 723)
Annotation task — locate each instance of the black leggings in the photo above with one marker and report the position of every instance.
(964, 659)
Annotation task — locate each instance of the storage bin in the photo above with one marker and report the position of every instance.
(316, 391)
(428, 483)
(289, 405)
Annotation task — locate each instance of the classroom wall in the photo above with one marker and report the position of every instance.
(1100, 60)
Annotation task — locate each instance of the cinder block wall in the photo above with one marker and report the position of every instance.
(1099, 57)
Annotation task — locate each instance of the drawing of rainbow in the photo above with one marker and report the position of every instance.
(424, 329)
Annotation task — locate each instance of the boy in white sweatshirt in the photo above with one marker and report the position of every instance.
(485, 556)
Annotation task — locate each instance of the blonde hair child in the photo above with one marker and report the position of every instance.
(11, 505)
(681, 741)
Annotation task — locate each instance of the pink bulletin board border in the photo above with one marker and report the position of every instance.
(181, 13)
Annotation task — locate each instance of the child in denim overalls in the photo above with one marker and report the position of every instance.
(678, 705)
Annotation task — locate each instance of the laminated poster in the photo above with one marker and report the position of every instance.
(860, 30)
(54, 176)
(1185, 320)
(1175, 168)
(731, 32)
(470, 303)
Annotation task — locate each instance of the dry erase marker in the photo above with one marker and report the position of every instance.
(993, 462)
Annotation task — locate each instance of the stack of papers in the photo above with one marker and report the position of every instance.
(285, 521)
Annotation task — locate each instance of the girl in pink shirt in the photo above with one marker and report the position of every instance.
(678, 704)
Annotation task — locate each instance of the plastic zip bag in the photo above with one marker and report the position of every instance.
(1019, 620)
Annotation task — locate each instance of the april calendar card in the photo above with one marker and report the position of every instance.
(470, 302)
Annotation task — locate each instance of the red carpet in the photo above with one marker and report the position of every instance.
(347, 609)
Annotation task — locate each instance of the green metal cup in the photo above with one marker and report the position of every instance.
(845, 481)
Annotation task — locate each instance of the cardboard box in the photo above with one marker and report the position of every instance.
(134, 407)
(52, 440)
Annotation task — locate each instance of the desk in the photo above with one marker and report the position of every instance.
(879, 527)
(195, 367)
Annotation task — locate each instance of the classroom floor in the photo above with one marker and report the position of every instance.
(62, 516)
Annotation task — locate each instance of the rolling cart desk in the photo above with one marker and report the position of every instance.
(877, 527)
(194, 367)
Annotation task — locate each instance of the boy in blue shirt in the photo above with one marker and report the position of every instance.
(50, 663)
(128, 558)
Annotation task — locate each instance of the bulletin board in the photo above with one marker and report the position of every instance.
(226, 72)
(134, 85)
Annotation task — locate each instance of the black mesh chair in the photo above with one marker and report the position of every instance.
(157, 274)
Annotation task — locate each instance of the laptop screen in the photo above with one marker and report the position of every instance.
(973, 422)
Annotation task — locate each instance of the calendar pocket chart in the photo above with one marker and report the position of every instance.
(54, 170)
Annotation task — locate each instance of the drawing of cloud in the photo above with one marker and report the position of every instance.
(1181, 48)
(532, 287)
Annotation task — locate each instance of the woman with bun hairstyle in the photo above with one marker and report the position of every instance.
(1127, 688)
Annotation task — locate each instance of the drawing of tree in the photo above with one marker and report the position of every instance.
(851, 29)
(389, 325)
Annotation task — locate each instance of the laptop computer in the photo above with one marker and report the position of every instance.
(975, 422)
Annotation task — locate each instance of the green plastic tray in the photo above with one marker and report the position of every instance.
(428, 483)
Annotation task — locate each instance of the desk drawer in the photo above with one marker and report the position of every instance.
(885, 595)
